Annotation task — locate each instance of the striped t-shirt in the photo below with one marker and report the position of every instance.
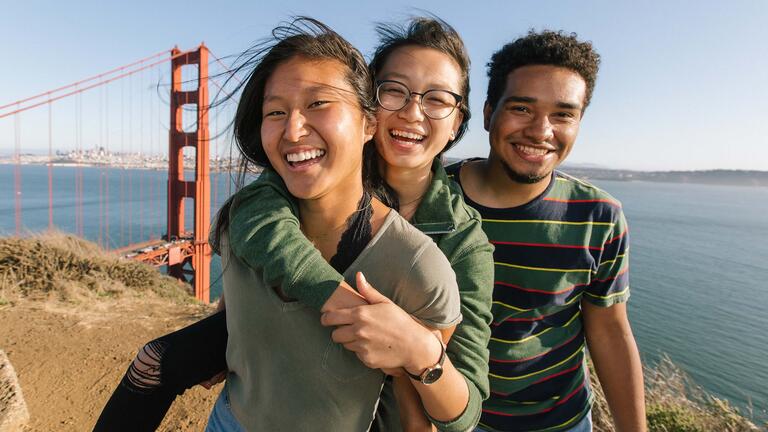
(568, 245)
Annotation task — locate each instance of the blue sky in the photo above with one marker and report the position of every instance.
(682, 85)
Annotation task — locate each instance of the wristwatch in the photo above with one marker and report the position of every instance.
(432, 373)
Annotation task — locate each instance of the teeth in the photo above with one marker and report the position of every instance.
(532, 150)
(304, 155)
(404, 134)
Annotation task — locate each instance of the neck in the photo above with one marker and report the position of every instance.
(410, 183)
(501, 191)
(325, 217)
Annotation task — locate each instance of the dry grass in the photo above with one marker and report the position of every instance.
(72, 269)
(63, 267)
(674, 403)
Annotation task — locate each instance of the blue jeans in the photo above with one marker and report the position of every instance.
(584, 425)
(222, 419)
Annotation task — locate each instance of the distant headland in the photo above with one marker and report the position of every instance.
(709, 177)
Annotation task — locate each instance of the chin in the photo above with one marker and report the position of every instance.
(525, 177)
(302, 191)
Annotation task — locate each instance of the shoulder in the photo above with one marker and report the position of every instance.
(425, 284)
(573, 191)
(576, 188)
(468, 233)
(403, 245)
(454, 168)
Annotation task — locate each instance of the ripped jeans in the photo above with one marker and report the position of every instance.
(163, 369)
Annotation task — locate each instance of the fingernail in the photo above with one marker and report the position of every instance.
(362, 278)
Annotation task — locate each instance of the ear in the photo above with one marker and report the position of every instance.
(456, 123)
(487, 114)
(370, 128)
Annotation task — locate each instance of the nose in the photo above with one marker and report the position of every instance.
(412, 111)
(539, 129)
(295, 126)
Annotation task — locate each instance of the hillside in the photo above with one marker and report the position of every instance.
(72, 317)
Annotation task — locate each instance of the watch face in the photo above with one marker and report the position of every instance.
(432, 375)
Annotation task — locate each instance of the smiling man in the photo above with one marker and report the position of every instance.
(561, 258)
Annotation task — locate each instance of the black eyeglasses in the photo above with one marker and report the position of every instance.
(436, 104)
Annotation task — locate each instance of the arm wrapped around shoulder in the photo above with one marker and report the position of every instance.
(431, 291)
(264, 233)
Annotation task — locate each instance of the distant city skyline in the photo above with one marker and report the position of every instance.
(680, 87)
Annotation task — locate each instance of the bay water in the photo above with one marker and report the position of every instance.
(699, 260)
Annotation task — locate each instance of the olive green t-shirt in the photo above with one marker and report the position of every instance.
(286, 373)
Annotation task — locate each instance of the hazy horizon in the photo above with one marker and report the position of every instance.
(680, 85)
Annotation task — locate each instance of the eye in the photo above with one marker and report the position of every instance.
(565, 116)
(273, 113)
(518, 109)
(392, 89)
(438, 98)
(319, 103)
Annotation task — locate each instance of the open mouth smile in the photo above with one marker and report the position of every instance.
(405, 136)
(532, 153)
(304, 158)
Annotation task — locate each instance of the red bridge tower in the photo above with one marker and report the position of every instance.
(195, 251)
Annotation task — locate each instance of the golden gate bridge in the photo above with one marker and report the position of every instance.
(128, 141)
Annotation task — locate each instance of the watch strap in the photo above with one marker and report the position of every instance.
(439, 363)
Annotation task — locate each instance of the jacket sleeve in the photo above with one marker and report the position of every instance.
(264, 233)
(472, 261)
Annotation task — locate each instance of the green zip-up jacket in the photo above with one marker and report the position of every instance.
(264, 233)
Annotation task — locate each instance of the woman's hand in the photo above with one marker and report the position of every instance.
(344, 297)
(381, 334)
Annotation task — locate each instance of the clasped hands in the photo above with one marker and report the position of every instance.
(381, 334)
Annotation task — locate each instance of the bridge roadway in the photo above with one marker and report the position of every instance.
(160, 252)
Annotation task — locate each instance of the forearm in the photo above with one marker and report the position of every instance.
(264, 232)
(412, 417)
(617, 363)
(468, 347)
(446, 399)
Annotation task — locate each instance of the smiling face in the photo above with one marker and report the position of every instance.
(534, 125)
(313, 129)
(407, 138)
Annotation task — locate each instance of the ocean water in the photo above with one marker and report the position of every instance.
(699, 282)
(699, 261)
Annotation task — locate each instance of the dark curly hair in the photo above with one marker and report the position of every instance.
(429, 32)
(545, 48)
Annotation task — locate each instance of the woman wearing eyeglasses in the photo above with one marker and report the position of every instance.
(422, 85)
(421, 74)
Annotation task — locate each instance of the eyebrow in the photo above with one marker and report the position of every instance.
(527, 99)
(431, 85)
(319, 88)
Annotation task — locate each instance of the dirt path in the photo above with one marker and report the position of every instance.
(69, 357)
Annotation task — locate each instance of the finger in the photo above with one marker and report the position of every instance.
(344, 335)
(368, 292)
(338, 317)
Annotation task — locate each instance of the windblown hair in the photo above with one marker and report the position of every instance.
(544, 48)
(303, 37)
(427, 32)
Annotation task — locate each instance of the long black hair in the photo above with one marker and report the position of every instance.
(303, 37)
(428, 32)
